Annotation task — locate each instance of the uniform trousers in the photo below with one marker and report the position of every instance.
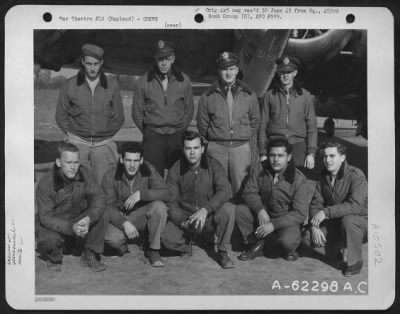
(299, 151)
(51, 243)
(96, 156)
(349, 231)
(221, 221)
(152, 216)
(235, 160)
(288, 238)
(161, 150)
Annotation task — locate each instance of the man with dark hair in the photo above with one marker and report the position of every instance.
(90, 112)
(228, 118)
(70, 209)
(135, 194)
(277, 196)
(200, 191)
(339, 208)
(288, 111)
(162, 108)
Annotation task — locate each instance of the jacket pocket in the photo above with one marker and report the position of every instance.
(217, 121)
(244, 127)
(108, 110)
(244, 120)
(74, 110)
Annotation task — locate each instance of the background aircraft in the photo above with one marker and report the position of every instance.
(334, 62)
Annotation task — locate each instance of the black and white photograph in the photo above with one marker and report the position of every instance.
(211, 161)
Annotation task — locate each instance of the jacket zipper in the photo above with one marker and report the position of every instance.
(231, 122)
(287, 94)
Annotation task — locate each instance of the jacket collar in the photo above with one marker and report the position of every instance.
(288, 174)
(295, 90)
(341, 172)
(153, 74)
(119, 175)
(59, 179)
(81, 79)
(216, 87)
(184, 165)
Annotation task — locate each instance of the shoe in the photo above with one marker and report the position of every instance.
(353, 269)
(92, 260)
(224, 260)
(253, 252)
(154, 258)
(54, 267)
(291, 257)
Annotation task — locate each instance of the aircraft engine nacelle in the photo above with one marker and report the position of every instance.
(259, 50)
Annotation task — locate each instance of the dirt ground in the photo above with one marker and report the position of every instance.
(200, 275)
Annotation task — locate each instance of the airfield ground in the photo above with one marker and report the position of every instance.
(200, 275)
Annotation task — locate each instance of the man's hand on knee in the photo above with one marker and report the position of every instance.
(318, 218)
(198, 219)
(130, 230)
(318, 237)
(81, 228)
(132, 200)
(263, 217)
(264, 230)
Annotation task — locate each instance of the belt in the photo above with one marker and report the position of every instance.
(89, 141)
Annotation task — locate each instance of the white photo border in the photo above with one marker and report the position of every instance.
(20, 22)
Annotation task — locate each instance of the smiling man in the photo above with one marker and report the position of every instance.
(228, 118)
(70, 208)
(339, 209)
(162, 108)
(135, 194)
(200, 191)
(288, 111)
(277, 196)
(90, 113)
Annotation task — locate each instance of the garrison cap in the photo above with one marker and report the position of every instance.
(287, 64)
(164, 49)
(227, 59)
(94, 51)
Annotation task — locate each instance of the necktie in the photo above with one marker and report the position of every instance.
(229, 100)
(164, 81)
(276, 178)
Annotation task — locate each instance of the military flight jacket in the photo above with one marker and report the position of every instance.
(348, 196)
(58, 203)
(286, 201)
(213, 115)
(116, 189)
(99, 115)
(291, 116)
(205, 187)
(165, 112)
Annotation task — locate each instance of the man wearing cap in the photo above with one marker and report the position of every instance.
(162, 108)
(90, 112)
(228, 118)
(288, 111)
